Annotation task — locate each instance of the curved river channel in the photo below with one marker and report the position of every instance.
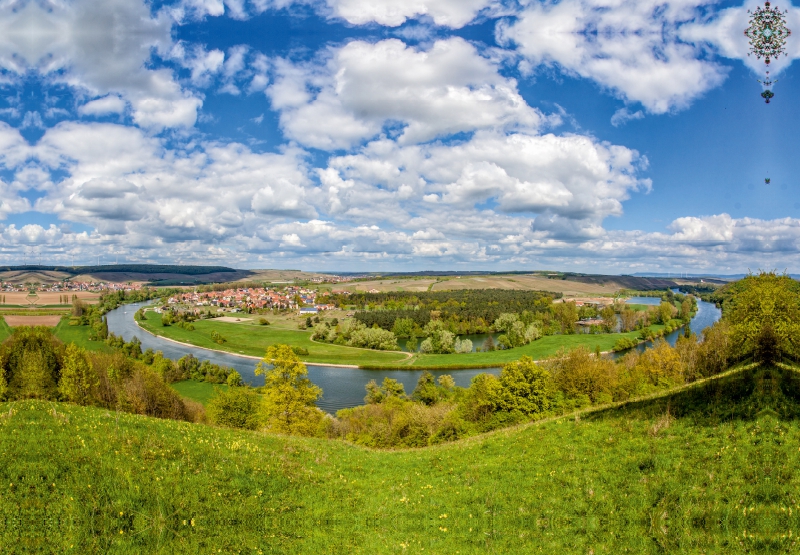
(342, 387)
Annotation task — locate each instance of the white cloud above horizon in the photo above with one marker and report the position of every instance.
(389, 152)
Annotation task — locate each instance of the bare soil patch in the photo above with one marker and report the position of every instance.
(50, 321)
(232, 320)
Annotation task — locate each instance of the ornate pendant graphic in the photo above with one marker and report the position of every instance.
(767, 35)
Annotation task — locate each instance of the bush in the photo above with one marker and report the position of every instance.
(263, 322)
(217, 338)
(146, 393)
(235, 408)
(624, 343)
(234, 379)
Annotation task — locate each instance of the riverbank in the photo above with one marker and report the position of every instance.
(251, 342)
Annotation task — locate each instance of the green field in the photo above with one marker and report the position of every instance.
(201, 392)
(712, 469)
(5, 331)
(80, 336)
(253, 340)
(539, 349)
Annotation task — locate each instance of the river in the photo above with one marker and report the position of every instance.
(342, 387)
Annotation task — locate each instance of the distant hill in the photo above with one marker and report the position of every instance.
(133, 268)
(154, 273)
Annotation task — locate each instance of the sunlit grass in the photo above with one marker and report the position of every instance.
(80, 336)
(712, 469)
(201, 392)
(254, 340)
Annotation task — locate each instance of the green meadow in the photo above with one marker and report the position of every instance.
(202, 392)
(711, 468)
(253, 340)
(80, 336)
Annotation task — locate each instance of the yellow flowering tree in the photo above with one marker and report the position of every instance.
(288, 406)
(78, 378)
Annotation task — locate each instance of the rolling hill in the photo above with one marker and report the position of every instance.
(711, 468)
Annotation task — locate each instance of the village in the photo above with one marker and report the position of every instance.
(249, 299)
(69, 286)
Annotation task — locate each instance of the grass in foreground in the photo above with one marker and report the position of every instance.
(711, 469)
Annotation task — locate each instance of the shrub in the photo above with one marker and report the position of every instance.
(234, 379)
(235, 408)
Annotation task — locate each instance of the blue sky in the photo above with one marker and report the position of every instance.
(610, 136)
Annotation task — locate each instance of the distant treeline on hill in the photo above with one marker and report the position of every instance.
(123, 268)
(476, 308)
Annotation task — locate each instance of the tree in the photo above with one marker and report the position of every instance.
(609, 318)
(447, 382)
(236, 408)
(665, 312)
(765, 317)
(289, 400)
(426, 391)
(404, 327)
(567, 316)
(78, 378)
(234, 379)
(686, 310)
(526, 387)
(628, 319)
(483, 398)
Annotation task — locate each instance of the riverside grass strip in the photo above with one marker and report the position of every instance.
(254, 340)
(711, 468)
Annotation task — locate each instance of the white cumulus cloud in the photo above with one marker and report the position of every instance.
(363, 87)
(630, 47)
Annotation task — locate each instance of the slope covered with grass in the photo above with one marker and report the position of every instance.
(712, 468)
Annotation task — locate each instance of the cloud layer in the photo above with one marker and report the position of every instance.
(391, 154)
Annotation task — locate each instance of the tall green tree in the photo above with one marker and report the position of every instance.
(526, 386)
(289, 400)
(765, 317)
(78, 377)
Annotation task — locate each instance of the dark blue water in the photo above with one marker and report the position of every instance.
(707, 315)
(342, 387)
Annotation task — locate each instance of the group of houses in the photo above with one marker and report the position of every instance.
(243, 299)
(71, 287)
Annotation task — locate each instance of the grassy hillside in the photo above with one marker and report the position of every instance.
(711, 469)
